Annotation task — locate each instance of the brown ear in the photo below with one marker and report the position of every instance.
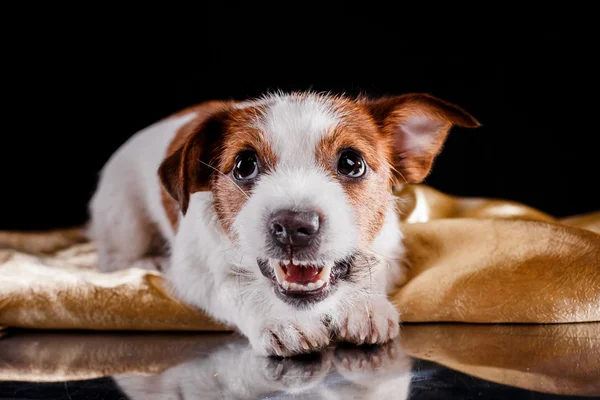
(188, 168)
(417, 125)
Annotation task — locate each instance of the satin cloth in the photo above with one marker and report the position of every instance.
(470, 260)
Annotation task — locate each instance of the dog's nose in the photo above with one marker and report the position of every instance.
(295, 228)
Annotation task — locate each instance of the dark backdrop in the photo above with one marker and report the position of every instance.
(76, 103)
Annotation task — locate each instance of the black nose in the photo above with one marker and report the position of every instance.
(296, 228)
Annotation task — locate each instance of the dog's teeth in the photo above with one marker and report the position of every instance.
(326, 271)
(323, 276)
(279, 274)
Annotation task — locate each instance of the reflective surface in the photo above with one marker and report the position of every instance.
(428, 361)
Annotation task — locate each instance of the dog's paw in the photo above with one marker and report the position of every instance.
(374, 322)
(289, 338)
(348, 358)
(296, 372)
(381, 371)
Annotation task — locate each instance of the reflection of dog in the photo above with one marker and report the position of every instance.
(234, 371)
(277, 212)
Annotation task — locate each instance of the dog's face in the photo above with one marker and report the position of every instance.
(301, 182)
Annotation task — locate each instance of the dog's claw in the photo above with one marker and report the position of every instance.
(378, 322)
(343, 332)
(279, 370)
(346, 362)
(277, 349)
(376, 361)
(374, 337)
(304, 345)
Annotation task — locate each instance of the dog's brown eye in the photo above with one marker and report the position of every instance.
(351, 164)
(246, 166)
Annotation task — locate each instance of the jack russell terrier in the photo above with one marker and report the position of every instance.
(275, 215)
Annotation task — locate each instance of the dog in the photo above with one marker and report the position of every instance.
(275, 215)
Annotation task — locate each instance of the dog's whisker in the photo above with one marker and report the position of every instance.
(382, 256)
(399, 173)
(228, 177)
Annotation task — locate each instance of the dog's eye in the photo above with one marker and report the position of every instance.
(351, 164)
(246, 166)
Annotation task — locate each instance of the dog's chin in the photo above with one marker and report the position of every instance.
(303, 283)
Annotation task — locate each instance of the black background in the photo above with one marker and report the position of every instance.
(81, 93)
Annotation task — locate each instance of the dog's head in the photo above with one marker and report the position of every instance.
(301, 182)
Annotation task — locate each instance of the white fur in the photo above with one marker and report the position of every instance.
(222, 277)
(293, 126)
(126, 210)
(298, 188)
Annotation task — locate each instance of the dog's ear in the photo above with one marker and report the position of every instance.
(417, 126)
(188, 168)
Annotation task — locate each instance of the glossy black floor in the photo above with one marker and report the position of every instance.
(428, 381)
(426, 362)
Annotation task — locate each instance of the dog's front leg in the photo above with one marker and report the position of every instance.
(363, 313)
(274, 328)
(368, 319)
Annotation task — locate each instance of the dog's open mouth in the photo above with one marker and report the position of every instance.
(301, 276)
(301, 283)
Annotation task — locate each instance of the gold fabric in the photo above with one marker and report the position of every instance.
(559, 359)
(481, 260)
(62, 290)
(471, 260)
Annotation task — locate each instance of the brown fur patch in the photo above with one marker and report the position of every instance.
(238, 135)
(209, 160)
(203, 111)
(413, 157)
(369, 196)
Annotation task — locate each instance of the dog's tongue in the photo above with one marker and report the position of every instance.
(301, 273)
